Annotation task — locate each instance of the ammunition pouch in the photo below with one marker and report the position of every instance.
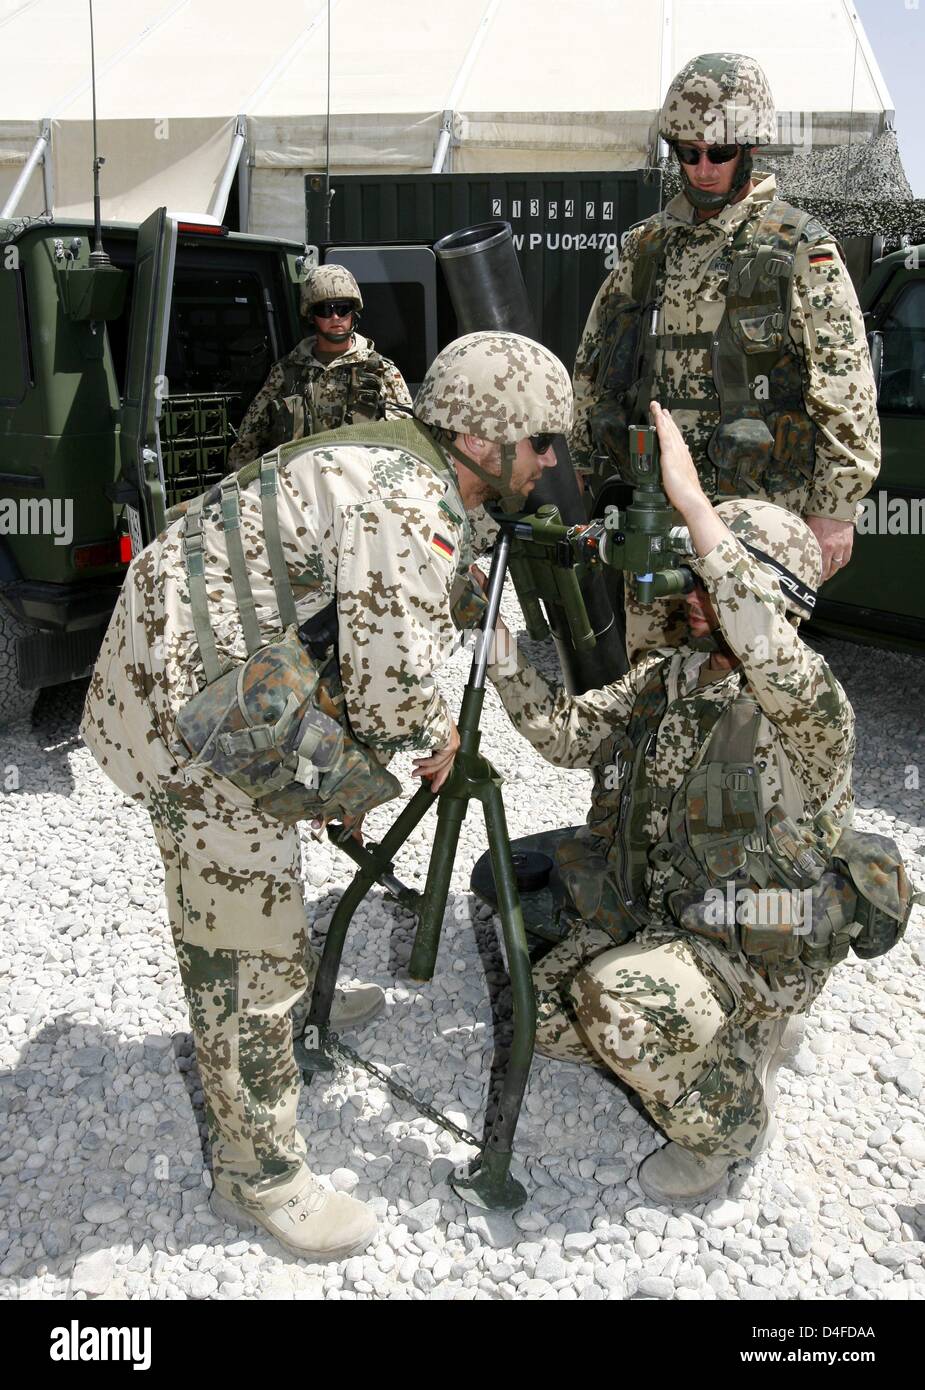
(290, 417)
(274, 726)
(364, 391)
(873, 865)
(592, 889)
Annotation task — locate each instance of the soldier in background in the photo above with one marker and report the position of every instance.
(735, 311)
(722, 762)
(366, 529)
(331, 378)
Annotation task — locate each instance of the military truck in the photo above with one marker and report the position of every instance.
(121, 389)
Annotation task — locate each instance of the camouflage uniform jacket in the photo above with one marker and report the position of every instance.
(373, 526)
(303, 396)
(806, 733)
(825, 326)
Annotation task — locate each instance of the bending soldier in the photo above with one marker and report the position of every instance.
(735, 311)
(331, 378)
(219, 703)
(722, 774)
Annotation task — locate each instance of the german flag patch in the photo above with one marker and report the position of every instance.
(820, 257)
(442, 546)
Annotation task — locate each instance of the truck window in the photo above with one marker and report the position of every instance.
(14, 358)
(902, 382)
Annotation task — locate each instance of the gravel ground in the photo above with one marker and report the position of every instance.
(101, 1157)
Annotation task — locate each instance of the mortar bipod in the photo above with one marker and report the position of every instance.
(489, 1182)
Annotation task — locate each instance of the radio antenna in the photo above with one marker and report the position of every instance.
(97, 256)
(327, 140)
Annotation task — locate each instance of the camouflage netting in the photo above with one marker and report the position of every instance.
(879, 197)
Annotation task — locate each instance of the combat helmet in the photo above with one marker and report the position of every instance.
(783, 543)
(719, 99)
(498, 386)
(328, 282)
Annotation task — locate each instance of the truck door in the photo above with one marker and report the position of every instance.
(145, 383)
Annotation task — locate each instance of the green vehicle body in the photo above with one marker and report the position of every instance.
(121, 388)
(879, 598)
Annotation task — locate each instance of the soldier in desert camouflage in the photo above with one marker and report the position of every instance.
(331, 378)
(725, 759)
(736, 312)
(372, 520)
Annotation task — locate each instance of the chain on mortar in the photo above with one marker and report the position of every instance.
(340, 1052)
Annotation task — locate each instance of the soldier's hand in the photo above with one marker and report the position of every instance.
(682, 485)
(679, 475)
(836, 540)
(440, 763)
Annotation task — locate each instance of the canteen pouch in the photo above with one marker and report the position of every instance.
(273, 726)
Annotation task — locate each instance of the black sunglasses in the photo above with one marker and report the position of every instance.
(328, 308)
(716, 154)
(539, 443)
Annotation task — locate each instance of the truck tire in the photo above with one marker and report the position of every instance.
(15, 702)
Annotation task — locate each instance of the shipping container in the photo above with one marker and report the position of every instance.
(566, 230)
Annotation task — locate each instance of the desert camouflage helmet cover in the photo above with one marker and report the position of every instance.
(328, 282)
(784, 538)
(722, 99)
(497, 386)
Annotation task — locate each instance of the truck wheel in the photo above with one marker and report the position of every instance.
(15, 702)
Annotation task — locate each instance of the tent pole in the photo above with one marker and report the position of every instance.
(462, 77)
(219, 201)
(443, 144)
(38, 152)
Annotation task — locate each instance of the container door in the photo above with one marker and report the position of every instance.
(145, 382)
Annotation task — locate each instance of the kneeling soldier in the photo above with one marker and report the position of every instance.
(716, 882)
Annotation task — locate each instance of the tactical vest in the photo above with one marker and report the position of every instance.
(298, 415)
(764, 439)
(769, 883)
(275, 725)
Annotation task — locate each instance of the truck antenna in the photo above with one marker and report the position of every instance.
(98, 256)
(328, 195)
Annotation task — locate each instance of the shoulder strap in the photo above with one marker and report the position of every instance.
(231, 525)
(269, 507)
(194, 555)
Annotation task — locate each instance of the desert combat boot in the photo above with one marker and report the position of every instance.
(314, 1224)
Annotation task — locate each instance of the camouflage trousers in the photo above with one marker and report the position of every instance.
(245, 961)
(684, 1029)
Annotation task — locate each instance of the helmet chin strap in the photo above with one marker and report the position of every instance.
(712, 202)
(500, 484)
(334, 337)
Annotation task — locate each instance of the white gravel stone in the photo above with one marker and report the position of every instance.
(344, 1180)
(93, 1273)
(722, 1213)
(647, 1219)
(104, 1211)
(495, 1229)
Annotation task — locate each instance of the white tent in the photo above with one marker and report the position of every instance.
(190, 90)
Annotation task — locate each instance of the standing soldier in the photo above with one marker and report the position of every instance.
(735, 311)
(331, 378)
(268, 654)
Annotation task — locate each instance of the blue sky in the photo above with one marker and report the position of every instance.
(896, 30)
